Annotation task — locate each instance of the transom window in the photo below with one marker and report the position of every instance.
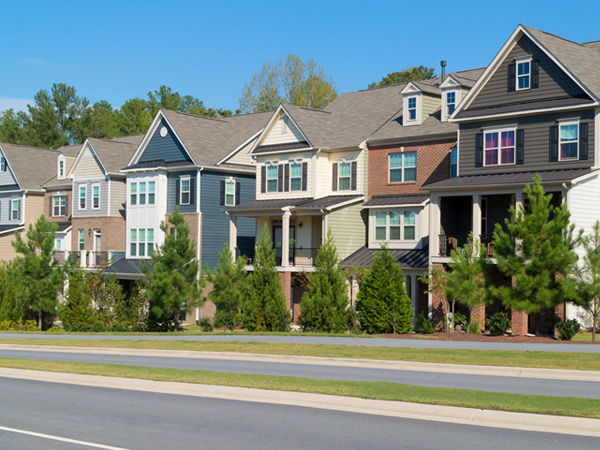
(412, 108)
(133, 194)
(230, 193)
(96, 196)
(395, 226)
(523, 74)
(450, 102)
(272, 178)
(14, 209)
(59, 205)
(499, 147)
(344, 176)
(82, 196)
(403, 167)
(569, 140)
(296, 177)
(184, 191)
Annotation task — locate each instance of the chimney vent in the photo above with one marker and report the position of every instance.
(443, 64)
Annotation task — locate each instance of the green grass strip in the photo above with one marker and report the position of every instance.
(545, 360)
(565, 406)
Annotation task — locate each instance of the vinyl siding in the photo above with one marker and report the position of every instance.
(537, 132)
(6, 177)
(5, 209)
(34, 208)
(172, 180)
(324, 185)
(167, 148)
(215, 223)
(282, 131)
(118, 197)
(7, 251)
(583, 204)
(348, 227)
(553, 81)
(430, 104)
(88, 166)
(300, 157)
(243, 156)
(89, 211)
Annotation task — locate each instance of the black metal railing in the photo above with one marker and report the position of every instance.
(98, 259)
(456, 241)
(301, 257)
(246, 252)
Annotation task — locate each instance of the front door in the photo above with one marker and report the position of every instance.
(97, 247)
(277, 238)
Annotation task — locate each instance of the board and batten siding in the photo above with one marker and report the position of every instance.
(89, 211)
(167, 148)
(282, 131)
(89, 166)
(553, 81)
(215, 223)
(118, 197)
(536, 148)
(172, 181)
(348, 227)
(5, 200)
(584, 205)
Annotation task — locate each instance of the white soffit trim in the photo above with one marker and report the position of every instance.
(280, 109)
(241, 146)
(410, 88)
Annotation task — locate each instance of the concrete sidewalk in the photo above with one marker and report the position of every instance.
(553, 374)
(450, 414)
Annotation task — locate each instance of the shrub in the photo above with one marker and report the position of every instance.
(98, 327)
(16, 325)
(499, 324)
(425, 324)
(206, 324)
(474, 326)
(460, 320)
(567, 329)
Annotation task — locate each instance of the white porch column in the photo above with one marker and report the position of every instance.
(232, 235)
(285, 239)
(518, 200)
(83, 258)
(324, 228)
(434, 225)
(476, 226)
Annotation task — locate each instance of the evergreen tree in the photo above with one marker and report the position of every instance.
(405, 75)
(588, 276)
(172, 283)
(537, 252)
(77, 312)
(9, 306)
(230, 282)
(38, 276)
(382, 302)
(264, 308)
(324, 306)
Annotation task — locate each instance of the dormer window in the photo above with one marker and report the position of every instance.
(2, 164)
(61, 167)
(412, 108)
(523, 74)
(450, 102)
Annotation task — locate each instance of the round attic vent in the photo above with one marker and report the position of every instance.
(163, 131)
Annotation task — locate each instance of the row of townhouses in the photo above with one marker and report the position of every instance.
(416, 166)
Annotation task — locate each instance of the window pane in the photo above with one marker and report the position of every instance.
(451, 97)
(344, 184)
(394, 233)
(491, 140)
(453, 156)
(229, 200)
(395, 175)
(151, 186)
(230, 187)
(412, 102)
(344, 169)
(185, 185)
(151, 198)
(410, 159)
(272, 185)
(395, 160)
(133, 188)
(272, 172)
(491, 157)
(394, 218)
(409, 233)
(296, 184)
(409, 218)
(296, 170)
(508, 139)
(380, 233)
(133, 194)
(507, 156)
(451, 108)
(380, 218)
(568, 151)
(524, 82)
(523, 68)
(150, 235)
(412, 114)
(568, 132)
(410, 174)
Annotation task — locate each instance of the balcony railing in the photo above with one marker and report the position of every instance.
(456, 241)
(298, 257)
(89, 259)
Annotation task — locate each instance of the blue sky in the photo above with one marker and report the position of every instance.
(116, 50)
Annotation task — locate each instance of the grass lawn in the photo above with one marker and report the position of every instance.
(547, 360)
(370, 390)
(586, 336)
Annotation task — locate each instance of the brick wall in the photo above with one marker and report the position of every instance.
(47, 202)
(285, 278)
(192, 220)
(433, 164)
(112, 230)
(438, 302)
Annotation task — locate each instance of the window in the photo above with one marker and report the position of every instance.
(82, 196)
(133, 241)
(81, 236)
(453, 163)
(141, 242)
(499, 147)
(151, 192)
(133, 194)
(523, 74)
(272, 178)
(412, 108)
(409, 225)
(380, 226)
(58, 244)
(95, 196)
(403, 167)
(230, 193)
(344, 176)
(395, 226)
(14, 209)
(142, 193)
(184, 192)
(59, 205)
(568, 140)
(150, 240)
(296, 177)
(450, 103)
(2, 163)
(61, 168)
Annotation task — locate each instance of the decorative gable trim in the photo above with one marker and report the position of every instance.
(267, 129)
(8, 168)
(87, 145)
(450, 82)
(241, 146)
(411, 88)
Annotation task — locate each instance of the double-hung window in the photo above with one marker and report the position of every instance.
(81, 239)
(184, 191)
(82, 196)
(381, 226)
(395, 226)
(133, 194)
(14, 209)
(151, 192)
(133, 241)
(272, 178)
(229, 192)
(568, 140)
(59, 205)
(58, 244)
(296, 177)
(450, 103)
(499, 147)
(150, 241)
(142, 193)
(344, 176)
(409, 225)
(141, 242)
(453, 163)
(523, 74)
(403, 167)
(61, 169)
(412, 108)
(95, 196)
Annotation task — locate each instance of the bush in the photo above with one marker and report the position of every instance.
(98, 327)
(425, 325)
(15, 325)
(499, 324)
(460, 320)
(567, 329)
(206, 325)
(475, 326)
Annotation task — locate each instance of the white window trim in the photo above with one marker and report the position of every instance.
(300, 177)
(61, 162)
(267, 191)
(58, 248)
(499, 131)
(181, 191)
(568, 122)
(129, 194)
(409, 109)
(55, 205)
(403, 168)
(80, 242)
(419, 108)
(84, 187)
(12, 209)
(339, 188)
(153, 182)
(517, 62)
(99, 195)
(402, 241)
(230, 181)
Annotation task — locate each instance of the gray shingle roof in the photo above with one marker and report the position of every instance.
(393, 200)
(296, 203)
(116, 153)
(413, 259)
(327, 202)
(32, 166)
(126, 267)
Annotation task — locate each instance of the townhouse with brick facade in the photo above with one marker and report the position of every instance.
(535, 110)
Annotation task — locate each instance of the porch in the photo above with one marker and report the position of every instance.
(89, 259)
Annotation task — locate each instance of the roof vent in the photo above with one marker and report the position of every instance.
(443, 64)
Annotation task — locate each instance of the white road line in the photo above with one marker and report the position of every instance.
(61, 439)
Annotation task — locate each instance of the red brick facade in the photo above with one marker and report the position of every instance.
(285, 278)
(112, 233)
(519, 322)
(433, 164)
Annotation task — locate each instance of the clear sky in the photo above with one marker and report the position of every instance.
(116, 50)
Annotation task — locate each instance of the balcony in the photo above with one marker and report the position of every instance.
(89, 259)
(455, 242)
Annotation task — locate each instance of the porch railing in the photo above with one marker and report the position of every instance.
(89, 259)
(246, 252)
(298, 257)
(456, 241)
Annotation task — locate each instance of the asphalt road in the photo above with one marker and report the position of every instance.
(140, 420)
(367, 342)
(518, 385)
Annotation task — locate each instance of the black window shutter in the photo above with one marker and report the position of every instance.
(554, 143)
(286, 185)
(583, 141)
(354, 167)
(19, 209)
(263, 179)
(535, 74)
(511, 76)
(280, 178)
(50, 198)
(192, 191)
(479, 150)
(177, 191)
(222, 196)
(237, 192)
(520, 147)
(304, 176)
(334, 177)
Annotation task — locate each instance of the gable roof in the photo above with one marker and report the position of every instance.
(112, 154)
(31, 166)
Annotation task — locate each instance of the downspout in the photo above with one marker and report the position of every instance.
(199, 242)
(314, 173)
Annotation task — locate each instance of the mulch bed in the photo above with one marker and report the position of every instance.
(460, 336)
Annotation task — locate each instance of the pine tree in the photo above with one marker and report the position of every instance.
(537, 252)
(172, 283)
(382, 302)
(588, 276)
(77, 312)
(9, 305)
(264, 308)
(324, 307)
(230, 282)
(38, 276)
